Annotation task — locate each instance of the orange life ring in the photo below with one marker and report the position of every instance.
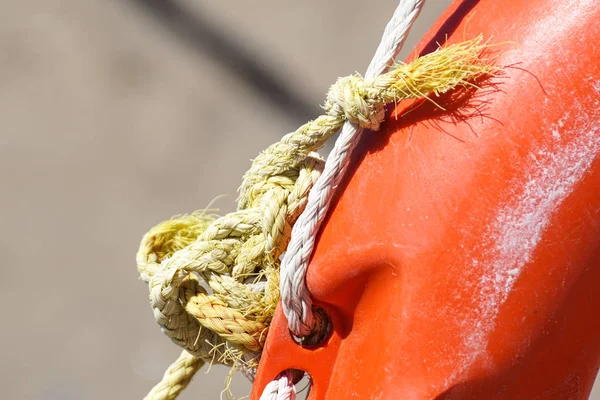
(461, 257)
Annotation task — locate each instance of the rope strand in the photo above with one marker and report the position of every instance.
(296, 301)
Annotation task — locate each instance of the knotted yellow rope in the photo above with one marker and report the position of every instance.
(237, 255)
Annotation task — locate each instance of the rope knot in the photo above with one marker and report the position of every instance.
(214, 281)
(357, 100)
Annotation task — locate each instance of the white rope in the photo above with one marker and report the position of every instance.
(295, 298)
(282, 388)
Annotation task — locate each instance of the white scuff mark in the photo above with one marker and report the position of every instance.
(555, 134)
(553, 170)
(559, 126)
(520, 224)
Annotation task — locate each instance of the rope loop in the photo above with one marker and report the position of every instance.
(357, 100)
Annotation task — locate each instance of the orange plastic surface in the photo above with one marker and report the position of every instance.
(461, 257)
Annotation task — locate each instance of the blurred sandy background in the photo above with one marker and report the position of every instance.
(116, 115)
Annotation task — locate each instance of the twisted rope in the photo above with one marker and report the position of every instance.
(177, 377)
(296, 300)
(214, 281)
(281, 388)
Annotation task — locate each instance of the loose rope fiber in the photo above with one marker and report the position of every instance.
(214, 281)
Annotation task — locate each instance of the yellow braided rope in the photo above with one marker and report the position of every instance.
(176, 378)
(237, 255)
(229, 323)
